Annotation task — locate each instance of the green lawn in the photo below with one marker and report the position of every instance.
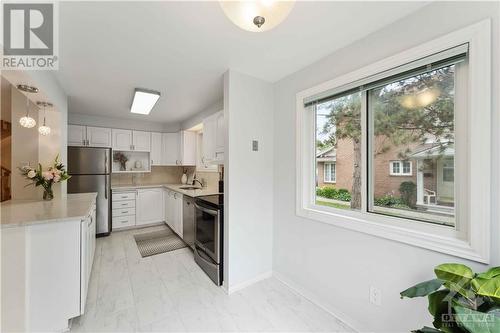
(332, 204)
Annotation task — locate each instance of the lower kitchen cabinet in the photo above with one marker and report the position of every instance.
(123, 209)
(173, 211)
(149, 206)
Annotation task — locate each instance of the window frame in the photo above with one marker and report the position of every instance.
(324, 173)
(401, 169)
(466, 240)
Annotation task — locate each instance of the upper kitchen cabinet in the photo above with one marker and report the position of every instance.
(98, 136)
(187, 154)
(170, 145)
(122, 139)
(131, 140)
(141, 141)
(213, 139)
(179, 148)
(77, 135)
(220, 136)
(209, 135)
(89, 136)
(157, 149)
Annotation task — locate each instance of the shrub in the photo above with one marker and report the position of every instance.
(332, 193)
(408, 192)
(388, 200)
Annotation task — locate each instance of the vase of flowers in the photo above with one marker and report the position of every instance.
(122, 159)
(38, 177)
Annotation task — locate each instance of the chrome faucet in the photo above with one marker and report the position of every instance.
(196, 180)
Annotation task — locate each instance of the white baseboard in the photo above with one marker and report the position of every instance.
(346, 320)
(243, 285)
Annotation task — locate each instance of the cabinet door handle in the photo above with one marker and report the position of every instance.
(124, 211)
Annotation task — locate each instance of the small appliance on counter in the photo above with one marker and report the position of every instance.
(208, 236)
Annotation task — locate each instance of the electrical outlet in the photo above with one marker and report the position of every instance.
(255, 145)
(375, 296)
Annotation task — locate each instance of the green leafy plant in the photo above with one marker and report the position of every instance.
(408, 192)
(388, 200)
(460, 300)
(332, 193)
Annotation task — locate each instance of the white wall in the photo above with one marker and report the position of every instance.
(335, 266)
(50, 91)
(198, 118)
(248, 111)
(101, 121)
(24, 146)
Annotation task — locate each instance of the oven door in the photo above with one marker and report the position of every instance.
(207, 231)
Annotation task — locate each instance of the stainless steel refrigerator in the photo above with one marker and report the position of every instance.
(90, 170)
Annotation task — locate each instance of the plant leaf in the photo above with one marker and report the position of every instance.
(426, 329)
(422, 289)
(489, 274)
(456, 273)
(490, 288)
(477, 322)
(465, 292)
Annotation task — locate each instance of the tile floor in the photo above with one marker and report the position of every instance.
(170, 293)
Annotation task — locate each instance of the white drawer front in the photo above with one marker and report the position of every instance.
(123, 222)
(119, 196)
(123, 204)
(124, 212)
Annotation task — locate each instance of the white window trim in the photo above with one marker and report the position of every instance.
(472, 240)
(400, 173)
(324, 174)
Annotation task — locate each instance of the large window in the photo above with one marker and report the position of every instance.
(395, 148)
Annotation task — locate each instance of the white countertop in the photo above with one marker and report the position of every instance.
(173, 187)
(18, 213)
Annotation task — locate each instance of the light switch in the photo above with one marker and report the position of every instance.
(255, 145)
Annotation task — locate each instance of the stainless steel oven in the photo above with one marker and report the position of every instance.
(208, 236)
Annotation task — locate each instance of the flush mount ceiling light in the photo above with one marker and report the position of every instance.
(27, 121)
(257, 16)
(144, 100)
(44, 129)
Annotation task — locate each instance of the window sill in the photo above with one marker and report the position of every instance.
(375, 226)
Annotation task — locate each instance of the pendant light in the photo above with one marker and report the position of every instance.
(44, 129)
(257, 16)
(27, 121)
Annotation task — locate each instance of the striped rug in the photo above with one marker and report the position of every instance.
(157, 242)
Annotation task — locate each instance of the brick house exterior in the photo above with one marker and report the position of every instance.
(384, 182)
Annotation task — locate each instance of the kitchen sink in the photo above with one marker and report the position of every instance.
(189, 187)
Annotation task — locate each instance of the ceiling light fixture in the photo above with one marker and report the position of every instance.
(27, 121)
(44, 129)
(257, 16)
(144, 100)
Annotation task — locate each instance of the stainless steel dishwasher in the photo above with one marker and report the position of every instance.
(188, 216)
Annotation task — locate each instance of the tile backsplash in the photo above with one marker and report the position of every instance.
(166, 175)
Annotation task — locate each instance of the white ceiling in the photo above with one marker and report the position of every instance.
(182, 50)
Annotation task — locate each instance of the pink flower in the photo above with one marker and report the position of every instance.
(57, 178)
(47, 175)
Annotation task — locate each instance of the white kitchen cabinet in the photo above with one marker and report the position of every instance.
(88, 235)
(98, 136)
(187, 146)
(170, 149)
(149, 206)
(123, 209)
(220, 137)
(173, 211)
(122, 139)
(209, 137)
(77, 135)
(141, 141)
(213, 139)
(89, 136)
(156, 149)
